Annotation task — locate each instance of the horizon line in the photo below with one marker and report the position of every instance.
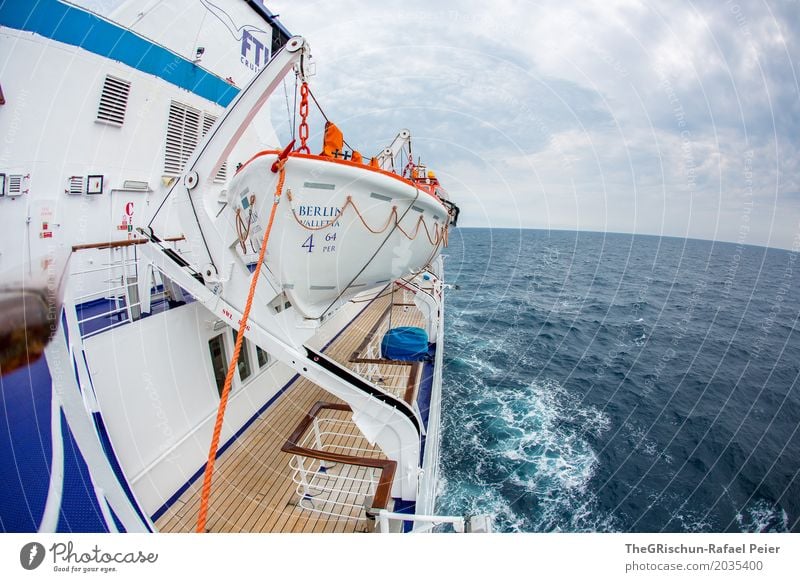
(677, 237)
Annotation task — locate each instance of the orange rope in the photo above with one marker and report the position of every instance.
(205, 494)
(392, 214)
(438, 233)
(242, 229)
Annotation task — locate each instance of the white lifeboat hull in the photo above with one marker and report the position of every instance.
(340, 228)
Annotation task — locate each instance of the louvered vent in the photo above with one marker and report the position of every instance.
(208, 121)
(113, 101)
(15, 184)
(183, 131)
(186, 126)
(75, 185)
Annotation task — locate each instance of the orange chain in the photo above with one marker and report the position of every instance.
(303, 131)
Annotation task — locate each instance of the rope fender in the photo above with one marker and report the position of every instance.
(439, 234)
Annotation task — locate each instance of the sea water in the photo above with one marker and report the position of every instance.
(611, 382)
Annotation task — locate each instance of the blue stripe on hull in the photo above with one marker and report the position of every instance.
(76, 27)
(25, 447)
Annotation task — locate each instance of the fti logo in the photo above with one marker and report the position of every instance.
(31, 555)
(254, 52)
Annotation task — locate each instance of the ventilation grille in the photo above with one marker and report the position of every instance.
(186, 126)
(183, 131)
(208, 121)
(113, 101)
(75, 185)
(15, 184)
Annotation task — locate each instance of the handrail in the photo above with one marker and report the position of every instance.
(122, 243)
(374, 391)
(431, 521)
(411, 383)
(388, 467)
(371, 333)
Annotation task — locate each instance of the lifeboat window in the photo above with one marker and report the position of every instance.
(244, 358)
(263, 357)
(216, 346)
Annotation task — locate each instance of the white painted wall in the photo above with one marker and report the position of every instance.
(155, 388)
(49, 130)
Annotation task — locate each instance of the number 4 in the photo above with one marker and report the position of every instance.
(309, 244)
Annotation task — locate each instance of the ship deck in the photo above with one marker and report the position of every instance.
(253, 488)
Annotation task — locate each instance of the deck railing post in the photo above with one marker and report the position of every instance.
(301, 472)
(318, 443)
(383, 521)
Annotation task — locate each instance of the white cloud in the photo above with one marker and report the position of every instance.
(620, 116)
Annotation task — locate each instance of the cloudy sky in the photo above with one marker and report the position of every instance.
(680, 118)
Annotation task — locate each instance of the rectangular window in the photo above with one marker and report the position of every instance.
(216, 345)
(244, 358)
(263, 357)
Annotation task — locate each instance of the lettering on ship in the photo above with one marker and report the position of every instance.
(317, 216)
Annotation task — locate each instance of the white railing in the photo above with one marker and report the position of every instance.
(339, 490)
(335, 489)
(370, 371)
(386, 519)
(389, 522)
(117, 281)
(121, 271)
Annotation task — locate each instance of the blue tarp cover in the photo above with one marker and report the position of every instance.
(409, 344)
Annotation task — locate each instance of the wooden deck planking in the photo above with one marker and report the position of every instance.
(252, 489)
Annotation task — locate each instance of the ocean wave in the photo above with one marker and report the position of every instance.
(594, 384)
(760, 516)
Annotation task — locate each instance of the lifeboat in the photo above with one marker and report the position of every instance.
(343, 227)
